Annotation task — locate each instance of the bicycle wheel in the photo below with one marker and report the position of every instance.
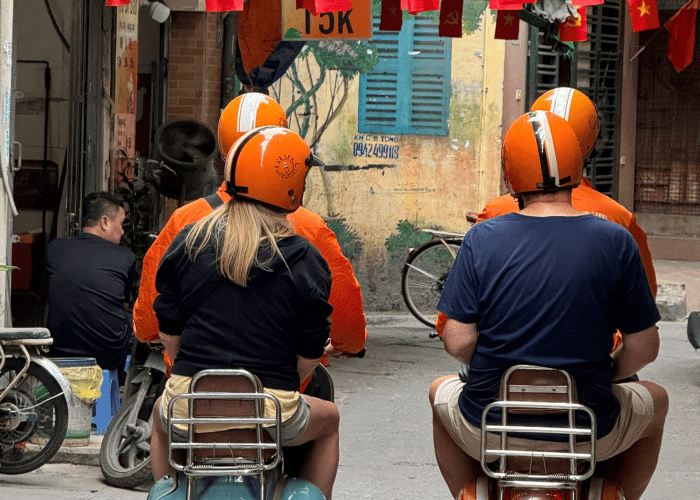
(33, 418)
(423, 277)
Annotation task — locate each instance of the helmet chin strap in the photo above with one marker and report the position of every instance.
(521, 203)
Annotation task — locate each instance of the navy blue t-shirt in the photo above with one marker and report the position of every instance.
(548, 291)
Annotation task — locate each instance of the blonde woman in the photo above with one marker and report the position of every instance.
(239, 289)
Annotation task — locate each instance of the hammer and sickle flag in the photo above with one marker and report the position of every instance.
(507, 25)
(574, 29)
(451, 18)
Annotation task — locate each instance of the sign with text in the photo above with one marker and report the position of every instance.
(125, 99)
(355, 24)
(384, 147)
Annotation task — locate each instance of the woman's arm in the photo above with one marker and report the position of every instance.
(305, 366)
(171, 344)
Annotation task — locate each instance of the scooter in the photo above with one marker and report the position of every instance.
(530, 397)
(237, 464)
(34, 398)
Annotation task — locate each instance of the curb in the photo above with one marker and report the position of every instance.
(80, 455)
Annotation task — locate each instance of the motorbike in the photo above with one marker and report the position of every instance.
(125, 448)
(242, 463)
(530, 397)
(34, 399)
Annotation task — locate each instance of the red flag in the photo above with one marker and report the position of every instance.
(316, 7)
(681, 35)
(506, 4)
(451, 18)
(415, 6)
(574, 29)
(116, 3)
(507, 25)
(391, 15)
(583, 3)
(224, 5)
(644, 15)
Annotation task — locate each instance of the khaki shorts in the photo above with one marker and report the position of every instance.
(636, 411)
(293, 428)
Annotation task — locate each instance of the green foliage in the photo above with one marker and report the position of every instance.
(471, 14)
(5, 267)
(350, 58)
(408, 237)
(349, 241)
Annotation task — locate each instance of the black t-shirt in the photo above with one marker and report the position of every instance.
(282, 313)
(90, 279)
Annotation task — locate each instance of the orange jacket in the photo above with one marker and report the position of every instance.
(586, 199)
(348, 332)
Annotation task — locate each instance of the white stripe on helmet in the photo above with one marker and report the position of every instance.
(546, 138)
(248, 111)
(561, 102)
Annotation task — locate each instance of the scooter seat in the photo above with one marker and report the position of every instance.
(24, 334)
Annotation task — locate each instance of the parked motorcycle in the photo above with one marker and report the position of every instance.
(530, 397)
(239, 463)
(125, 450)
(34, 397)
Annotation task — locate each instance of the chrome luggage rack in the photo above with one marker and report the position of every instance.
(549, 398)
(195, 465)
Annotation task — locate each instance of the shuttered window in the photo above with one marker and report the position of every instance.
(408, 91)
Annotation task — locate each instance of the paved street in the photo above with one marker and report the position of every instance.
(386, 444)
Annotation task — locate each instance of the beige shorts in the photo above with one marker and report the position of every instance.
(293, 428)
(636, 411)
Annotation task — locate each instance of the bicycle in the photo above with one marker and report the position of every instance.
(425, 271)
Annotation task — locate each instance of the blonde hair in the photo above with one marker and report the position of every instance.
(238, 230)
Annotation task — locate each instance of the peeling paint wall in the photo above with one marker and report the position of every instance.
(428, 181)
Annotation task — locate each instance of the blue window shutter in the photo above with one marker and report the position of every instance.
(408, 92)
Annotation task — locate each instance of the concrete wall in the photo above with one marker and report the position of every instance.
(433, 183)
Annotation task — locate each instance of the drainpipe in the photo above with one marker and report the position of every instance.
(7, 206)
(482, 142)
(228, 63)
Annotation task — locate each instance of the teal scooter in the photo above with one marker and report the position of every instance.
(241, 463)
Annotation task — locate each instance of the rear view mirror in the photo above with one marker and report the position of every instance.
(694, 329)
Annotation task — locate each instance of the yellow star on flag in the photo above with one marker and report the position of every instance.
(643, 10)
(508, 19)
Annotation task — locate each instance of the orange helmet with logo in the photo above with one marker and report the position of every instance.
(541, 154)
(577, 109)
(269, 165)
(245, 113)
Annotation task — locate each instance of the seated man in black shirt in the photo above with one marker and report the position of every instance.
(90, 279)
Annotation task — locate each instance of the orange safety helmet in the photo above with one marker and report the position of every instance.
(577, 109)
(269, 165)
(541, 154)
(245, 113)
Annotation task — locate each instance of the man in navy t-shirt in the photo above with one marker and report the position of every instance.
(90, 279)
(548, 286)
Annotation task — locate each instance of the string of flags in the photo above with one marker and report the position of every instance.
(644, 15)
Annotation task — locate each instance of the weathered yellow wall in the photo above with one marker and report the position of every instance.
(435, 180)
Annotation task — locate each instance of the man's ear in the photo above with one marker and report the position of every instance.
(104, 222)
